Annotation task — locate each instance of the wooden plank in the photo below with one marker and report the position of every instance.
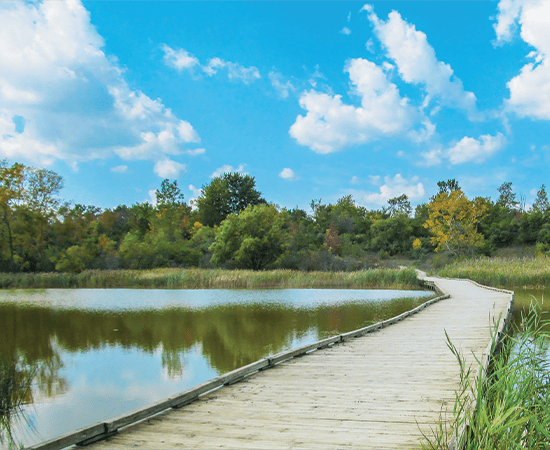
(70, 438)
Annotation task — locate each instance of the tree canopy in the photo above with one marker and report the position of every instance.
(227, 194)
(251, 240)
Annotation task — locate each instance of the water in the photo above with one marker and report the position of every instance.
(523, 301)
(71, 358)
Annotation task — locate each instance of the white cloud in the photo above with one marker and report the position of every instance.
(345, 31)
(152, 196)
(53, 67)
(195, 152)
(119, 169)
(355, 180)
(179, 59)
(475, 150)
(530, 90)
(508, 13)
(394, 187)
(417, 63)
(234, 70)
(281, 87)
(196, 191)
(369, 45)
(431, 157)
(226, 168)
(288, 174)
(196, 194)
(330, 125)
(169, 169)
(374, 180)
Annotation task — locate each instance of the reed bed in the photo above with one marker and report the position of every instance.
(214, 279)
(509, 406)
(510, 273)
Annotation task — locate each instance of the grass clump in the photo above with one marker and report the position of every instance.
(503, 272)
(214, 279)
(508, 405)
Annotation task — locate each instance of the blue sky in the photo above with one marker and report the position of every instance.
(316, 100)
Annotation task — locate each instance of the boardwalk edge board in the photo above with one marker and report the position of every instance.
(103, 430)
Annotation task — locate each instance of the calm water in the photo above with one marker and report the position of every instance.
(523, 299)
(89, 355)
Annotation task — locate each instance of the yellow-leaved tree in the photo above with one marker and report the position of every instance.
(453, 220)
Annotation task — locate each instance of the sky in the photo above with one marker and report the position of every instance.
(316, 100)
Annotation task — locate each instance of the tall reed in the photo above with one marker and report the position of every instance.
(213, 279)
(503, 272)
(508, 407)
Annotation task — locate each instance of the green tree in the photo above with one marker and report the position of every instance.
(169, 194)
(399, 206)
(541, 202)
(448, 186)
(172, 213)
(251, 240)
(227, 194)
(507, 198)
(11, 193)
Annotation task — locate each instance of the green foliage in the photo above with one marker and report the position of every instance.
(399, 206)
(250, 240)
(541, 202)
(169, 194)
(507, 198)
(511, 400)
(227, 194)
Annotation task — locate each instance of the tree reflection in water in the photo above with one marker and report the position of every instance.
(33, 339)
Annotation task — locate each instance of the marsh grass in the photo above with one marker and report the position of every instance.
(213, 279)
(503, 272)
(15, 393)
(507, 406)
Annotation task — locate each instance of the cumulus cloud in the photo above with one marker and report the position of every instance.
(417, 63)
(506, 24)
(288, 174)
(330, 124)
(345, 31)
(530, 89)
(226, 168)
(53, 67)
(394, 187)
(169, 169)
(475, 150)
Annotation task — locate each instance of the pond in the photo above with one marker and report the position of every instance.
(71, 358)
(524, 299)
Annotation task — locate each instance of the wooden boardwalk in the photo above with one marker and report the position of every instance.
(379, 391)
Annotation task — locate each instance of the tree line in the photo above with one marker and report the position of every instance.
(231, 225)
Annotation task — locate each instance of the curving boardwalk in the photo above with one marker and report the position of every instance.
(380, 391)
